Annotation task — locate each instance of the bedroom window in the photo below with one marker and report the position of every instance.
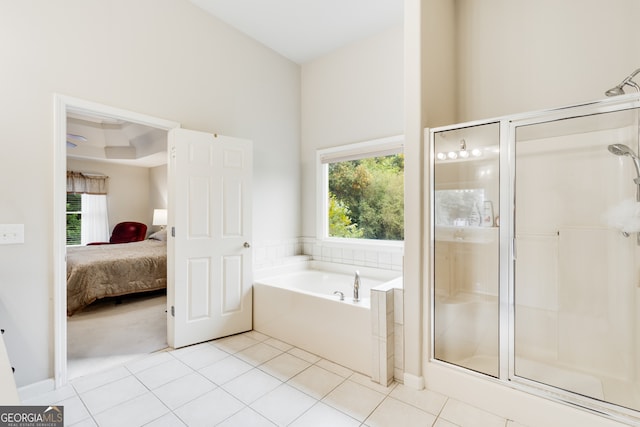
(362, 191)
(87, 218)
(74, 218)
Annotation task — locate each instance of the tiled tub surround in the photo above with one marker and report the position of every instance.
(276, 253)
(365, 254)
(387, 332)
(286, 308)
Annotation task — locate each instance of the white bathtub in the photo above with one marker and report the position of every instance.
(297, 305)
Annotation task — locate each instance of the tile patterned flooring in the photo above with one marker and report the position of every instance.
(251, 380)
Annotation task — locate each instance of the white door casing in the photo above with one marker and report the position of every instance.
(63, 105)
(209, 282)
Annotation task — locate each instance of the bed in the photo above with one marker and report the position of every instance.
(95, 272)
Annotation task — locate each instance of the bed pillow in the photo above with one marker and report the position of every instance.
(159, 235)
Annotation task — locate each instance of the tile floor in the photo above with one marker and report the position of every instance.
(251, 380)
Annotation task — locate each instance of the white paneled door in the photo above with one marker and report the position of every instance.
(209, 237)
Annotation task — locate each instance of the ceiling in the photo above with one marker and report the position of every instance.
(303, 30)
(115, 141)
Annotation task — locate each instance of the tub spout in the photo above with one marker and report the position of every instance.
(356, 287)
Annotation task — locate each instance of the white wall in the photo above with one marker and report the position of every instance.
(166, 59)
(517, 56)
(129, 190)
(351, 95)
(157, 190)
(430, 90)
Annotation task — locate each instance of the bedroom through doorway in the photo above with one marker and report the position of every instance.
(126, 319)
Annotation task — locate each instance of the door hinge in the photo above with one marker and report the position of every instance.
(173, 232)
(173, 311)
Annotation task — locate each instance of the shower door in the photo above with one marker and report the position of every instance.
(466, 247)
(548, 297)
(576, 292)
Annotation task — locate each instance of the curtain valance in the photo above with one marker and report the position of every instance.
(86, 183)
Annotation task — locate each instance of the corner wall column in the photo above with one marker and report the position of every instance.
(413, 222)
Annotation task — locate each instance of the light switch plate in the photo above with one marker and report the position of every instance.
(11, 234)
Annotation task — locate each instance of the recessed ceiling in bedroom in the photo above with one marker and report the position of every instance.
(115, 141)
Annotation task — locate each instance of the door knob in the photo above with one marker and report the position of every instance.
(246, 245)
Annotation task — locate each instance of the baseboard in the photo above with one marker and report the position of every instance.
(413, 381)
(36, 389)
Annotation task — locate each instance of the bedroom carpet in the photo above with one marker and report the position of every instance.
(106, 334)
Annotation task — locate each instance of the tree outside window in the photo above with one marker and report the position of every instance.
(366, 198)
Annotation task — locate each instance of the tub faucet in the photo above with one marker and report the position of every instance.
(356, 287)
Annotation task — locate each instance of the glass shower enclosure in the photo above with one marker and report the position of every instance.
(535, 252)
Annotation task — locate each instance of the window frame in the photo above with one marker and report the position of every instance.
(372, 148)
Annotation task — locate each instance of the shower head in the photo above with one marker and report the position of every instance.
(619, 89)
(615, 91)
(621, 150)
(624, 150)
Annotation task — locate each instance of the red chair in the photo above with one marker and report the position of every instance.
(126, 232)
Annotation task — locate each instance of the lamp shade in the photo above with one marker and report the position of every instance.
(159, 217)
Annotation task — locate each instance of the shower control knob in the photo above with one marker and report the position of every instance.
(246, 245)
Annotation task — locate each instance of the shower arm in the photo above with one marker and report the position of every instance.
(633, 84)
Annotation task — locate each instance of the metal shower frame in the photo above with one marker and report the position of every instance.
(506, 211)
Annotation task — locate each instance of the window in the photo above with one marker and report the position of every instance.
(362, 191)
(87, 219)
(74, 218)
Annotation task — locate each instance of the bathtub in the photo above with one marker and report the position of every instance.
(297, 305)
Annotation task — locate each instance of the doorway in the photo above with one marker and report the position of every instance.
(65, 106)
